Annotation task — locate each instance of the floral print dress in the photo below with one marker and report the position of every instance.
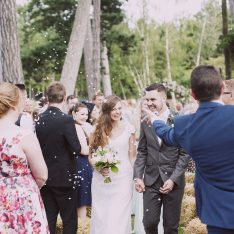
(21, 207)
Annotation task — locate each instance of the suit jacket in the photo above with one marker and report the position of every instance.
(208, 136)
(59, 143)
(154, 159)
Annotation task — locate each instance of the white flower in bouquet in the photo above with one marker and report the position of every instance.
(105, 157)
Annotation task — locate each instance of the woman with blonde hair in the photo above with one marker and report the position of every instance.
(22, 170)
(111, 202)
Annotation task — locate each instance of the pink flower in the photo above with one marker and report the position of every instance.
(36, 227)
(5, 157)
(4, 218)
(21, 220)
(29, 215)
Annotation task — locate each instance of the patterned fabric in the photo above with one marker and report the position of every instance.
(21, 207)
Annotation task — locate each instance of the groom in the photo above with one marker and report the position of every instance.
(207, 136)
(162, 168)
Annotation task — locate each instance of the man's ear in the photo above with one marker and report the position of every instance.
(65, 99)
(192, 94)
(222, 87)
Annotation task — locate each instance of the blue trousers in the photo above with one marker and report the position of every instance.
(216, 230)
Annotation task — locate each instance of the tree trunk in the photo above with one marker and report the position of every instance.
(227, 56)
(122, 89)
(169, 77)
(200, 42)
(231, 4)
(10, 62)
(96, 43)
(106, 72)
(75, 46)
(88, 60)
(145, 44)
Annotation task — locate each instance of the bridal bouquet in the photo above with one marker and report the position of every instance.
(105, 157)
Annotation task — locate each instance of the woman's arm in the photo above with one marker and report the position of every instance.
(32, 150)
(82, 140)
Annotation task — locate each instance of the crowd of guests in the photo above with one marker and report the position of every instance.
(46, 169)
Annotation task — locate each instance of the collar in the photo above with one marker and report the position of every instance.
(165, 115)
(218, 101)
(211, 104)
(54, 108)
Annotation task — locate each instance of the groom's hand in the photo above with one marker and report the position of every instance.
(167, 186)
(139, 185)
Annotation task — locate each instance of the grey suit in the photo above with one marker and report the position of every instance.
(157, 163)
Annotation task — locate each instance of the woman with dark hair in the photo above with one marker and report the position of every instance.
(80, 114)
(93, 112)
(111, 202)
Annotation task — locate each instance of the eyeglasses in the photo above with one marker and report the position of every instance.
(227, 93)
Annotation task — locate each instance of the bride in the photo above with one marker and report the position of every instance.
(111, 202)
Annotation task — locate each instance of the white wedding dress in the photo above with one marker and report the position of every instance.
(111, 202)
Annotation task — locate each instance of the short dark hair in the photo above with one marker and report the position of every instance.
(70, 97)
(156, 86)
(206, 83)
(76, 107)
(56, 92)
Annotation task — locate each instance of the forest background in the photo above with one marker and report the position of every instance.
(138, 53)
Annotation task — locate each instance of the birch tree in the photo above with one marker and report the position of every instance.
(75, 46)
(96, 44)
(88, 61)
(231, 4)
(226, 51)
(105, 71)
(169, 76)
(201, 41)
(10, 62)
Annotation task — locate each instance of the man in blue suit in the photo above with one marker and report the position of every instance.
(208, 137)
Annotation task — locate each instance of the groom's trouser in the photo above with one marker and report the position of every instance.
(152, 202)
(63, 201)
(216, 230)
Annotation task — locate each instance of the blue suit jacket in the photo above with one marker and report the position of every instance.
(208, 137)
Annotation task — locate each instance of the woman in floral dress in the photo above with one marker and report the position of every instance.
(22, 170)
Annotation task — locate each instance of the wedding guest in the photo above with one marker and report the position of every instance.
(93, 113)
(24, 120)
(97, 100)
(59, 142)
(159, 169)
(85, 172)
(207, 136)
(228, 93)
(22, 170)
(71, 101)
(111, 202)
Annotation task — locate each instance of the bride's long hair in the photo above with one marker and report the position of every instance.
(104, 124)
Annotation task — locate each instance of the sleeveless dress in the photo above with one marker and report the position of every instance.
(85, 174)
(21, 207)
(111, 202)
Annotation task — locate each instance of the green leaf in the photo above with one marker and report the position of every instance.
(114, 169)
